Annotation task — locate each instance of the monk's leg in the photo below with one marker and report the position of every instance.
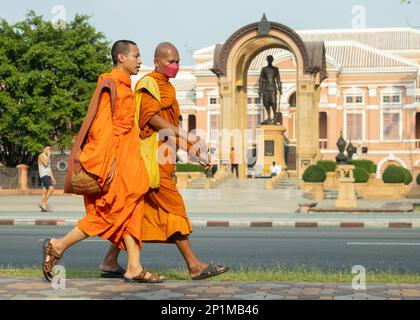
(195, 265)
(71, 238)
(110, 261)
(133, 254)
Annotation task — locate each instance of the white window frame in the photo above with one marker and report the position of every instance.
(354, 110)
(354, 92)
(391, 91)
(391, 110)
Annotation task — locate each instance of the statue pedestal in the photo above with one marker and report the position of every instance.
(270, 146)
(346, 189)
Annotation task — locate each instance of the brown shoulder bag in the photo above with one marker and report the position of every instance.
(78, 180)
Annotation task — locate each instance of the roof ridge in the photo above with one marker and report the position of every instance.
(360, 30)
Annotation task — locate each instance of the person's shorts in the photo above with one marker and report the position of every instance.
(46, 181)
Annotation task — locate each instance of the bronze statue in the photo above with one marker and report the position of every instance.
(269, 84)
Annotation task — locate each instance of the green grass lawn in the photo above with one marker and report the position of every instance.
(417, 208)
(297, 274)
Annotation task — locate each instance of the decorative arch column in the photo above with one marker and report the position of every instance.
(231, 64)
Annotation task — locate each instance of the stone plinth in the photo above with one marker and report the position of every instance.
(346, 189)
(270, 146)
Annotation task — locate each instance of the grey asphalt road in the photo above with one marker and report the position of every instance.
(325, 248)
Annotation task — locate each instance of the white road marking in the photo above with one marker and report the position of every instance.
(383, 243)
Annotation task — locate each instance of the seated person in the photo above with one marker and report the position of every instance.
(275, 169)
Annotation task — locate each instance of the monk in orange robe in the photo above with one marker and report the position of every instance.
(165, 219)
(108, 154)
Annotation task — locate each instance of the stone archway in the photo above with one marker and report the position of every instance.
(231, 64)
(390, 158)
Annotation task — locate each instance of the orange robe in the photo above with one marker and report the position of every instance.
(164, 213)
(120, 211)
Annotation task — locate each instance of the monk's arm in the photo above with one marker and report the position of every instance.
(186, 141)
(158, 123)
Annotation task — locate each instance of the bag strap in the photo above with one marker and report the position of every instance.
(152, 87)
(106, 85)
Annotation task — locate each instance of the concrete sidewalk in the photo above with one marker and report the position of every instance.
(242, 203)
(21, 288)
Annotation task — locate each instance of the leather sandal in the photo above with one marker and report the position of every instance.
(145, 277)
(52, 256)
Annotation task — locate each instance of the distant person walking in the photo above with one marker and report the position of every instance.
(234, 162)
(47, 177)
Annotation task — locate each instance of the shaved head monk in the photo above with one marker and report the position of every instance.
(108, 154)
(165, 219)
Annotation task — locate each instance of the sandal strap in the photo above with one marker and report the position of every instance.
(54, 257)
(154, 275)
(51, 251)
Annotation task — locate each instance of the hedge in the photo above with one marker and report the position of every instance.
(314, 173)
(368, 165)
(408, 177)
(418, 179)
(189, 167)
(394, 174)
(360, 175)
(327, 165)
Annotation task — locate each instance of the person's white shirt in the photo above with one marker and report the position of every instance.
(275, 169)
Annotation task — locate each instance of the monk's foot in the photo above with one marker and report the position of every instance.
(143, 276)
(56, 246)
(132, 272)
(197, 269)
(113, 266)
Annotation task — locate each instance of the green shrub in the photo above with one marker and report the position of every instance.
(418, 179)
(189, 167)
(360, 175)
(327, 165)
(408, 176)
(368, 165)
(394, 174)
(314, 174)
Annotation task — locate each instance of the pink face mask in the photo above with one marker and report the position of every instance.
(171, 70)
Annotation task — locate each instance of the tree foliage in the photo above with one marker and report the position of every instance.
(47, 78)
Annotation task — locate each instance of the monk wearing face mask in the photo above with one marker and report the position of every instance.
(165, 218)
(116, 215)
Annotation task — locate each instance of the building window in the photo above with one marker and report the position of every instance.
(418, 99)
(258, 100)
(391, 99)
(249, 100)
(354, 99)
(192, 123)
(354, 125)
(292, 100)
(213, 101)
(214, 123)
(323, 129)
(391, 124)
(253, 120)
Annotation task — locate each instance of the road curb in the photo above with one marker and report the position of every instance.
(244, 223)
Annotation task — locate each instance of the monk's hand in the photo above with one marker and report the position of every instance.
(205, 161)
(197, 144)
(111, 173)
